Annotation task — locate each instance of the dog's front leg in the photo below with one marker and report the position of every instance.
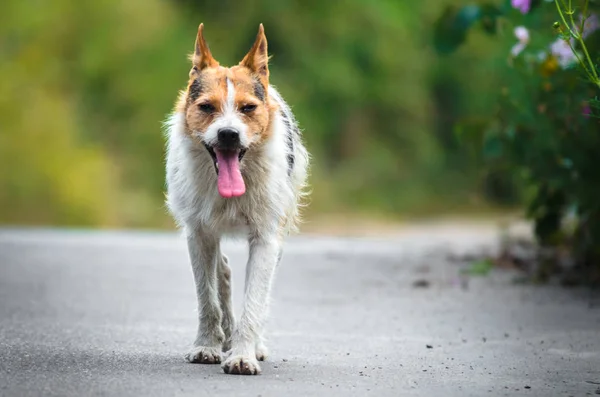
(204, 254)
(259, 276)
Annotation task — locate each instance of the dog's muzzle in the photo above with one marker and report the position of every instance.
(227, 155)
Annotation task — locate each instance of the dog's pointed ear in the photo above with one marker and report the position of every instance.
(202, 57)
(257, 59)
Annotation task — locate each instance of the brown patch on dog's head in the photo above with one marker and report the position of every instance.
(208, 102)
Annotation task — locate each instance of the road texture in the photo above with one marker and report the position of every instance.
(113, 313)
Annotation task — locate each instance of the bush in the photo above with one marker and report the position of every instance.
(543, 130)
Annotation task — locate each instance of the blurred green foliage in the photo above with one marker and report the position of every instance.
(86, 86)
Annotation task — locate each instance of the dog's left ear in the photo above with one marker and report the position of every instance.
(257, 59)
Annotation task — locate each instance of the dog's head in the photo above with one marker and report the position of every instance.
(228, 109)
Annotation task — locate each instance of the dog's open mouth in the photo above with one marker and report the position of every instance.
(227, 165)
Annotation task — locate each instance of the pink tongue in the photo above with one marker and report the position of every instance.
(230, 183)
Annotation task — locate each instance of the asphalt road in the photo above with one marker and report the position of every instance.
(113, 313)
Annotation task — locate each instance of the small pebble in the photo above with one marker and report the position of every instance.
(421, 284)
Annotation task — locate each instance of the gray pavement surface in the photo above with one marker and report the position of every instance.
(113, 313)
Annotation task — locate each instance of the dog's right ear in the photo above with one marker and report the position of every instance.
(202, 57)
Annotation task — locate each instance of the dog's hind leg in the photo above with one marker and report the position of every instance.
(228, 320)
(204, 252)
(259, 276)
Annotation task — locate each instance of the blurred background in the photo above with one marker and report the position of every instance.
(86, 87)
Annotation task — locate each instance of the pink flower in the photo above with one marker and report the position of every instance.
(521, 5)
(563, 53)
(591, 25)
(522, 34)
(586, 110)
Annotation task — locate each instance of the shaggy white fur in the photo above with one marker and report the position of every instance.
(275, 175)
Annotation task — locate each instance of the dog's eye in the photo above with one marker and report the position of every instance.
(248, 108)
(206, 107)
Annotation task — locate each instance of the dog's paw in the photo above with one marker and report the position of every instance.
(262, 353)
(241, 365)
(204, 355)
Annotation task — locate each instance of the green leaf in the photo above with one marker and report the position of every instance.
(479, 268)
(506, 6)
(467, 16)
(492, 146)
(450, 30)
(489, 18)
(511, 131)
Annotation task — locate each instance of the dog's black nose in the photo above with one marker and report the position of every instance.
(228, 138)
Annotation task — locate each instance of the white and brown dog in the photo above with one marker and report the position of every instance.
(236, 166)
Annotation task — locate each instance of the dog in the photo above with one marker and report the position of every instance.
(236, 166)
